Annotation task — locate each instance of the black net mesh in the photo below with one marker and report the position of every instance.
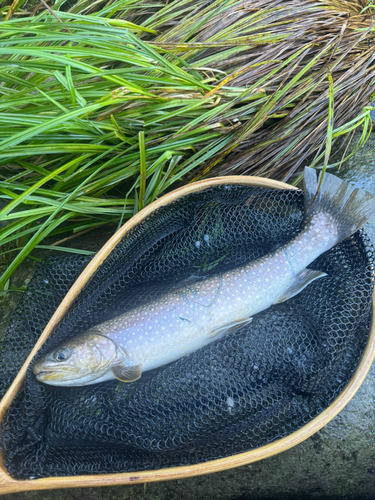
(253, 386)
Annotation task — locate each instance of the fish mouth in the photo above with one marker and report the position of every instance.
(46, 373)
(49, 374)
(64, 378)
(41, 374)
(58, 378)
(67, 376)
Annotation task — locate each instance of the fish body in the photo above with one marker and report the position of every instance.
(188, 318)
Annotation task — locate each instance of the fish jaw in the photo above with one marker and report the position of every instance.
(82, 361)
(67, 376)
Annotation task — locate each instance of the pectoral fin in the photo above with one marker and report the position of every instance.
(127, 373)
(301, 281)
(230, 327)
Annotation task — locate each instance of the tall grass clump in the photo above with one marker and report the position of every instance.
(104, 106)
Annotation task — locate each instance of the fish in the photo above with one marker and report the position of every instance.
(190, 317)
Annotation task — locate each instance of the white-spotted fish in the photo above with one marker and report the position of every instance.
(191, 317)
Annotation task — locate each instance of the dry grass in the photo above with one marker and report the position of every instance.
(269, 44)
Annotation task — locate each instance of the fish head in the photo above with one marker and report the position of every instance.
(80, 361)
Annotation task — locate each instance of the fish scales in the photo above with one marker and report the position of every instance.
(185, 320)
(189, 318)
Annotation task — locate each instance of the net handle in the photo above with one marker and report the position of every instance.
(10, 485)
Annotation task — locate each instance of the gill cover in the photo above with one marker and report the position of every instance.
(80, 361)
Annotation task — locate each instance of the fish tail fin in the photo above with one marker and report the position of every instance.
(349, 207)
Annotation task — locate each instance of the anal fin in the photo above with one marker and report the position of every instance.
(230, 327)
(127, 373)
(301, 281)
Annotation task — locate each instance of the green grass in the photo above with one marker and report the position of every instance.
(111, 105)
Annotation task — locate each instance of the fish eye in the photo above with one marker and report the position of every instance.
(61, 354)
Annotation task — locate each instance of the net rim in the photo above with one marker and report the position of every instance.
(10, 485)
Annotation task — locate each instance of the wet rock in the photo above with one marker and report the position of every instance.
(359, 171)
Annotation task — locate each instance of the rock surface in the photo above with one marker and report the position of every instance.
(338, 462)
